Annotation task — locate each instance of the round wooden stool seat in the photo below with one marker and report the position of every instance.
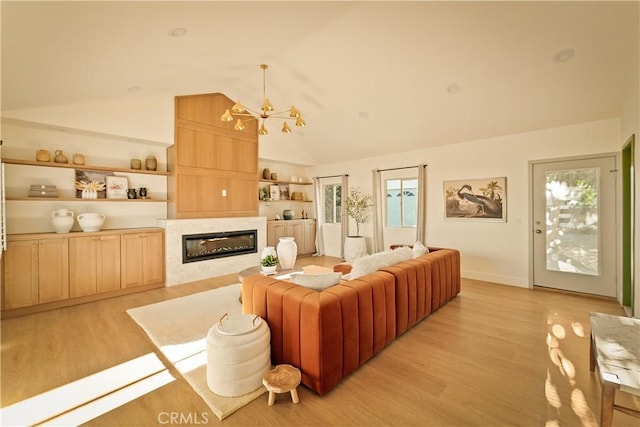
(281, 379)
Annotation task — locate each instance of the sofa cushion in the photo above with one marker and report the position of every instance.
(419, 249)
(316, 282)
(371, 263)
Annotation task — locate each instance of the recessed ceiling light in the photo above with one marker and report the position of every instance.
(363, 115)
(178, 32)
(453, 88)
(134, 89)
(564, 55)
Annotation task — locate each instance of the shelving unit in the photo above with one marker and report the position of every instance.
(277, 182)
(83, 167)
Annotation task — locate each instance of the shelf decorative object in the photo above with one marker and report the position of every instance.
(43, 156)
(266, 173)
(136, 164)
(60, 157)
(117, 187)
(78, 159)
(151, 163)
(62, 220)
(91, 181)
(91, 221)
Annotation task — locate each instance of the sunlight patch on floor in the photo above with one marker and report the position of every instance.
(76, 394)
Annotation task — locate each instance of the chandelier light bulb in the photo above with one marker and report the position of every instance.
(239, 125)
(227, 117)
(294, 112)
(266, 105)
(238, 108)
(300, 121)
(263, 130)
(286, 128)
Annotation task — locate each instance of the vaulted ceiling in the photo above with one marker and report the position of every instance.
(369, 77)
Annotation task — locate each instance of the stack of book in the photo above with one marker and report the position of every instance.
(42, 190)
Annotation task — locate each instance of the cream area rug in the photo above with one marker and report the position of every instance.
(179, 328)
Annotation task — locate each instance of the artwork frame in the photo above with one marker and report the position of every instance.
(274, 192)
(284, 191)
(117, 187)
(91, 180)
(477, 199)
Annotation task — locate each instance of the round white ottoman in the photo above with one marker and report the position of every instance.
(238, 354)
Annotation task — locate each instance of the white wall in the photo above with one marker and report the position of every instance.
(497, 252)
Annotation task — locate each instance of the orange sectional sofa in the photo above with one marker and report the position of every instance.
(329, 334)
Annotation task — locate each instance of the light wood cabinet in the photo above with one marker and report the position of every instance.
(41, 271)
(302, 230)
(213, 168)
(94, 264)
(142, 259)
(35, 271)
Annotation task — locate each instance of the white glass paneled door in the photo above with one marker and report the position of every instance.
(574, 225)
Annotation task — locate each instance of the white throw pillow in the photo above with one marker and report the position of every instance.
(316, 282)
(419, 249)
(371, 263)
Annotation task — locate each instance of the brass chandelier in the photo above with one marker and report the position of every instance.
(266, 111)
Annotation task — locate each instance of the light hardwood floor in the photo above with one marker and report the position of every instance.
(494, 356)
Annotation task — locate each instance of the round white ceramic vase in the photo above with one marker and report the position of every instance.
(287, 252)
(90, 221)
(62, 220)
(268, 250)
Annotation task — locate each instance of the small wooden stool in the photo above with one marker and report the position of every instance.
(281, 379)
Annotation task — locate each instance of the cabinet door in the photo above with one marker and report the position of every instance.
(309, 237)
(131, 260)
(278, 230)
(142, 259)
(82, 266)
(295, 230)
(108, 263)
(53, 270)
(20, 274)
(152, 258)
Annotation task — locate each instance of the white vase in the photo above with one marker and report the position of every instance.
(287, 252)
(354, 247)
(90, 221)
(62, 220)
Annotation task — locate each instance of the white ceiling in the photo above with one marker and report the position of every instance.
(369, 77)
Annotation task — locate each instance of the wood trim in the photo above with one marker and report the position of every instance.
(82, 167)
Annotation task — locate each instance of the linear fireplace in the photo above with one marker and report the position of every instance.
(200, 247)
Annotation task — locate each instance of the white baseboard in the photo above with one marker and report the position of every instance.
(519, 282)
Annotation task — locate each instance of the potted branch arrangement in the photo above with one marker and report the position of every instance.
(359, 207)
(269, 264)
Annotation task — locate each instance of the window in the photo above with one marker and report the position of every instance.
(332, 203)
(402, 202)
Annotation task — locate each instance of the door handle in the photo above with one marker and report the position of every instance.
(538, 231)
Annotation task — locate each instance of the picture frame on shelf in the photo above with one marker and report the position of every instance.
(117, 187)
(91, 180)
(284, 191)
(274, 192)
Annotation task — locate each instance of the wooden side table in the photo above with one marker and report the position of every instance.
(282, 379)
(615, 350)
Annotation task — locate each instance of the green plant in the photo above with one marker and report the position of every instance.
(269, 261)
(358, 207)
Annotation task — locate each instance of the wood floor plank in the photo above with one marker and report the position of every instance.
(494, 356)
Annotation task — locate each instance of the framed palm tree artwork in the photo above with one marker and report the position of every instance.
(482, 199)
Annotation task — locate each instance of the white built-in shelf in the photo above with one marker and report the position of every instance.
(83, 167)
